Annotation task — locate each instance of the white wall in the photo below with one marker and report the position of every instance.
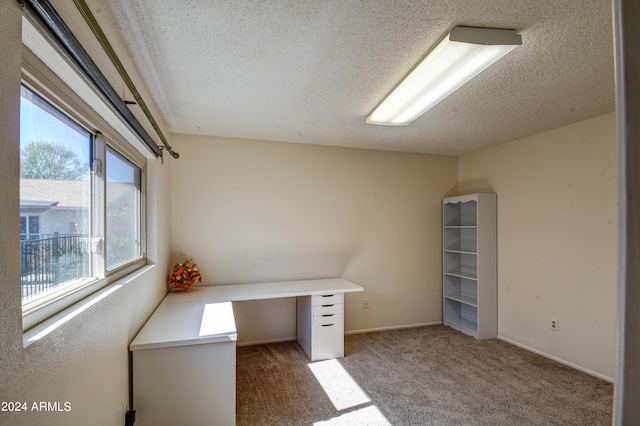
(251, 211)
(557, 219)
(85, 361)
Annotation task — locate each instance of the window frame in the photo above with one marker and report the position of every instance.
(39, 78)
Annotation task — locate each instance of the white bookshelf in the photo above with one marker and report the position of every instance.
(469, 283)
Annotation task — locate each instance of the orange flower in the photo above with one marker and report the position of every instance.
(184, 275)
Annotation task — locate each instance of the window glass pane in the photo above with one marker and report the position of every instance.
(123, 210)
(55, 192)
(34, 225)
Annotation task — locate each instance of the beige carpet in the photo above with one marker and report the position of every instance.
(421, 376)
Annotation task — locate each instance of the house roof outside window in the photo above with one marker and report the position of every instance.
(49, 192)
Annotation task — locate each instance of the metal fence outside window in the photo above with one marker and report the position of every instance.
(51, 261)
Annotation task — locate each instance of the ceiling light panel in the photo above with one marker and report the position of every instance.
(464, 53)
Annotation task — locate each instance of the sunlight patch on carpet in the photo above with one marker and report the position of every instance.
(339, 386)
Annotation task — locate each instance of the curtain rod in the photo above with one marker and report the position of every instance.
(104, 42)
(49, 18)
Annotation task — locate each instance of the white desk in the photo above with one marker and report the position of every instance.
(184, 357)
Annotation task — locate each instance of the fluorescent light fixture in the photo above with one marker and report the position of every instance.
(464, 53)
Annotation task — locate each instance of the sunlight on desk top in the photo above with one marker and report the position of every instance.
(217, 318)
(205, 315)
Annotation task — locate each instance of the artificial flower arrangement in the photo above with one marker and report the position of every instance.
(184, 275)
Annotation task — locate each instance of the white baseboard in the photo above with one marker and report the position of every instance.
(555, 358)
(399, 327)
(262, 342)
(393, 327)
(366, 330)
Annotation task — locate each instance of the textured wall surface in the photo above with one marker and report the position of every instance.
(10, 312)
(557, 219)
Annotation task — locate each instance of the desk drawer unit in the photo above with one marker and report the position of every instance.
(321, 326)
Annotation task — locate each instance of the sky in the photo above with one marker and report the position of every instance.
(45, 123)
(37, 124)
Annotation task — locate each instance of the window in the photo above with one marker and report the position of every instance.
(55, 200)
(29, 227)
(123, 210)
(81, 203)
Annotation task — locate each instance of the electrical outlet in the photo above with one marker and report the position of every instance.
(365, 303)
(554, 325)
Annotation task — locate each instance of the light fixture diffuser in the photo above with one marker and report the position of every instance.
(464, 53)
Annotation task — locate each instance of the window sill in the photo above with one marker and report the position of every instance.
(50, 325)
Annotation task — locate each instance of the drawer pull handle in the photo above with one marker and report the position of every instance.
(327, 325)
(328, 315)
(326, 306)
(327, 295)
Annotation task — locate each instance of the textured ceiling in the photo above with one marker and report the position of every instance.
(310, 71)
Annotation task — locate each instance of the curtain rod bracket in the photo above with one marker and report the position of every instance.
(171, 151)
